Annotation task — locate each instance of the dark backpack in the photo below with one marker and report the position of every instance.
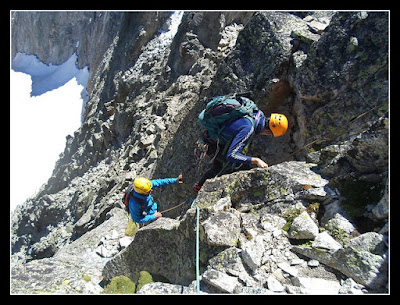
(222, 110)
(127, 195)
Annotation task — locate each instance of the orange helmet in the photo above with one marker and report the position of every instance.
(278, 124)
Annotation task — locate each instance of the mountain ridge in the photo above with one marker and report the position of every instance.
(326, 71)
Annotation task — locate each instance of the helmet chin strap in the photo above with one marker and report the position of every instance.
(267, 129)
(267, 123)
(259, 119)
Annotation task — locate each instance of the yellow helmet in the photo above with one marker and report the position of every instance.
(278, 124)
(142, 185)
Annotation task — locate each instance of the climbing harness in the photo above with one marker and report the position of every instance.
(200, 152)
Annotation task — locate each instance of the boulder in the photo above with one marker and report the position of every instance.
(325, 241)
(228, 261)
(292, 180)
(165, 288)
(221, 281)
(303, 227)
(371, 242)
(274, 285)
(252, 252)
(316, 285)
(350, 287)
(334, 218)
(263, 48)
(288, 269)
(271, 222)
(356, 259)
(341, 63)
(158, 248)
(222, 229)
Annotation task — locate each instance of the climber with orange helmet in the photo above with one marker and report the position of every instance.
(138, 199)
(278, 124)
(240, 131)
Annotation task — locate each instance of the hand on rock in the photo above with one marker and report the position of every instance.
(260, 163)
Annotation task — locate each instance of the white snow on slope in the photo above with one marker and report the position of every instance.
(157, 45)
(49, 77)
(40, 124)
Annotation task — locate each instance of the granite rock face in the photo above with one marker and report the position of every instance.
(326, 71)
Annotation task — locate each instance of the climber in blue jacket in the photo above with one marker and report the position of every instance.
(141, 205)
(241, 132)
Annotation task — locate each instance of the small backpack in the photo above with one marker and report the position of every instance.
(127, 195)
(222, 110)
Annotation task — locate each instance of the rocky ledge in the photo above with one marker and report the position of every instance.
(261, 231)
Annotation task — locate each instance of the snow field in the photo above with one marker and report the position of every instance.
(45, 106)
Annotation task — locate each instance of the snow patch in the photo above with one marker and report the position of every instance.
(157, 45)
(174, 21)
(49, 77)
(46, 105)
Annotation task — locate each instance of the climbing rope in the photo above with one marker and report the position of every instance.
(197, 246)
(197, 240)
(197, 250)
(173, 208)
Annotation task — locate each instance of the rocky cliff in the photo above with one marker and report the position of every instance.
(320, 220)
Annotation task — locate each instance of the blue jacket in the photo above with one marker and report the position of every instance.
(150, 205)
(241, 130)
